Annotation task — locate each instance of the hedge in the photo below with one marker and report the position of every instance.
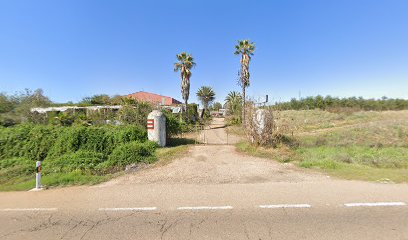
(85, 161)
(38, 142)
(133, 152)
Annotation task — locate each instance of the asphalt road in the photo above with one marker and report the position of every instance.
(390, 223)
(313, 210)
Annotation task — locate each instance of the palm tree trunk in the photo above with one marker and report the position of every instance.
(185, 102)
(243, 104)
(205, 107)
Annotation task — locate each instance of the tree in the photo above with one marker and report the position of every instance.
(101, 99)
(6, 103)
(233, 102)
(185, 62)
(217, 106)
(206, 95)
(246, 50)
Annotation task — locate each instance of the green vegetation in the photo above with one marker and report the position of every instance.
(185, 62)
(216, 106)
(133, 152)
(167, 154)
(15, 109)
(343, 104)
(361, 145)
(233, 103)
(70, 155)
(246, 49)
(206, 95)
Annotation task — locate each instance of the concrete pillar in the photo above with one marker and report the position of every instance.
(156, 127)
(259, 120)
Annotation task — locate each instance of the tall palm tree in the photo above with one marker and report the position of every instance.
(233, 101)
(184, 64)
(246, 50)
(206, 95)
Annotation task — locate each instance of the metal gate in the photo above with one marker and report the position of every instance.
(214, 134)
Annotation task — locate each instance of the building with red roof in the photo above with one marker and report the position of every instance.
(153, 98)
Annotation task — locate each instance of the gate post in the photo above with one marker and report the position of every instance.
(156, 127)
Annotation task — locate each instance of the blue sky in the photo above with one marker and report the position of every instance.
(77, 48)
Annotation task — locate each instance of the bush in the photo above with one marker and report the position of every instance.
(335, 104)
(102, 139)
(133, 152)
(192, 111)
(14, 167)
(38, 142)
(173, 125)
(72, 155)
(85, 161)
(29, 141)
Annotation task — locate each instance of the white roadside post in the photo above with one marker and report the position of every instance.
(156, 127)
(38, 175)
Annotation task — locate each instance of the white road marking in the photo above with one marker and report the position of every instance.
(129, 209)
(206, 208)
(286, 206)
(27, 209)
(375, 204)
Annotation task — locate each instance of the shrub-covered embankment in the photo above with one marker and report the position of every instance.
(70, 155)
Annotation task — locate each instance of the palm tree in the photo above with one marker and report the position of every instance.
(206, 95)
(184, 64)
(233, 101)
(246, 50)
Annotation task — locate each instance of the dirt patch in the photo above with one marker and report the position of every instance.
(201, 158)
(214, 164)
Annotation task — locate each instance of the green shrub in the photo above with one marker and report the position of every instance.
(70, 155)
(30, 141)
(133, 152)
(102, 139)
(129, 133)
(37, 142)
(81, 160)
(15, 167)
(173, 125)
(192, 112)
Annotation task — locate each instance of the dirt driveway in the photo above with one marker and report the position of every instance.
(218, 162)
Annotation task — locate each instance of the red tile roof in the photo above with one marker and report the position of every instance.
(153, 98)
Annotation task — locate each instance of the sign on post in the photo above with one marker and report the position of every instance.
(150, 123)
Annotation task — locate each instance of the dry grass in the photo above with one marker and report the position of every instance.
(305, 121)
(352, 145)
(235, 130)
(167, 154)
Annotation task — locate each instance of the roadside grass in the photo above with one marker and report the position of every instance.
(357, 162)
(282, 153)
(19, 175)
(167, 154)
(371, 146)
(377, 134)
(53, 180)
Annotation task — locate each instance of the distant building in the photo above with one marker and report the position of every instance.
(154, 98)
